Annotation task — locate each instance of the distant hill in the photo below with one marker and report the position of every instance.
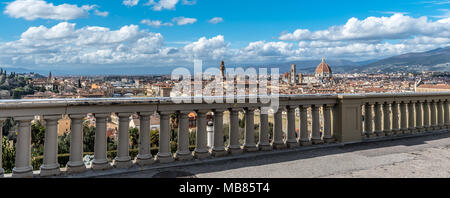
(309, 66)
(434, 60)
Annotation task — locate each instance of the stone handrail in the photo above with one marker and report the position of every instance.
(344, 118)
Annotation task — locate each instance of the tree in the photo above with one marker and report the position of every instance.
(37, 138)
(88, 138)
(154, 138)
(64, 144)
(134, 137)
(8, 155)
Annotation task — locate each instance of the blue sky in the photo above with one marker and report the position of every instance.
(249, 31)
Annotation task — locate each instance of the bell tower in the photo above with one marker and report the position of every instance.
(222, 68)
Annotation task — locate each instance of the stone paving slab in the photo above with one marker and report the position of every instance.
(423, 156)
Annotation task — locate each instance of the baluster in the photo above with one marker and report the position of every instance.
(378, 120)
(440, 111)
(404, 117)
(123, 159)
(164, 155)
(100, 161)
(23, 166)
(264, 144)
(396, 118)
(327, 120)
(144, 157)
(426, 115)
(387, 117)
(446, 114)
(334, 122)
(304, 135)
(76, 164)
(218, 149)
(316, 138)
(368, 121)
(433, 110)
(250, 145)
(291, 141)
(2, 171)
(419, 116)
(235, 146)
(278, 142)
(50, 164)
(183, 152)
(412, 117)
(201, 150)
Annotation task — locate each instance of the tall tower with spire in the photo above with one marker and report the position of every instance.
(222, 68)
(50, 78)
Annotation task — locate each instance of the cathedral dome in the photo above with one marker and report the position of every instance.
(323, 67)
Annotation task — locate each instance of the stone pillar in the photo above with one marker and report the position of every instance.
(387, 117)
(446, 114)
(412, 117)
(404, 117)
(235, 146)
(304, 135)
(278, 142)
(100, 161)
(440, 110)
(144, 157)
(164, 155)
(327, 120)
(218, 148)
(368, 121)
(23, 166)
(2, 171)
(250, 145)
(183, 152)
(291, 140)
(396, 118)
(433, 111)
(264, 144)
(76, 164)
(50, 164)
(426, 115)
(349, 119)
(316, 138)
(419, 116)
(378, 120)
(123, 159)
(201, 150)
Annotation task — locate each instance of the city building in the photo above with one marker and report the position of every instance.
(323, 71)
(293, 76)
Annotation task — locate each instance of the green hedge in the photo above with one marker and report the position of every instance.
(36, 162)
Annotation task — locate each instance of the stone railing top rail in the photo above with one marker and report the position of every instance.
(62, 102)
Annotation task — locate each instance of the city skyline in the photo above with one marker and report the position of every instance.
(144, 35)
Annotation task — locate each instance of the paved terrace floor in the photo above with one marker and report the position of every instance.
(423, 156)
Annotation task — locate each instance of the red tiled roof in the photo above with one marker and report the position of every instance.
(438, 86)
(323, 67)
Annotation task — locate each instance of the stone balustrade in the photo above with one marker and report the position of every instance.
(319, 119)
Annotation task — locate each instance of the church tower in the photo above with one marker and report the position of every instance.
(222, 68)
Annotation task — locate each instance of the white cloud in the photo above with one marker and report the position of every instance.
(215, 47)
(216, 20)
(40, 9)
(187, 2)
(398, 26)
(155, 23)
(103, 14)
(65, 45)
(130, 3)
(184, 21)
(162, 4)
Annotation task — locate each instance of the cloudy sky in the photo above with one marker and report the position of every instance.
(103, 34)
